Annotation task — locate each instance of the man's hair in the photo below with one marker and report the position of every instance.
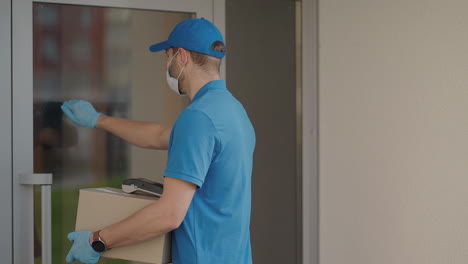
(206, 62)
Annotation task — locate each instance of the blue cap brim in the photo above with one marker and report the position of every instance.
(159, 46)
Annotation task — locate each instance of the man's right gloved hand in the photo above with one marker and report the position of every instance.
(81, 113)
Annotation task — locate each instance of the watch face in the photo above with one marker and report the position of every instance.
(98, 246)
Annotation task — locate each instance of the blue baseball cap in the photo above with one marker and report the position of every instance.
(196, 34)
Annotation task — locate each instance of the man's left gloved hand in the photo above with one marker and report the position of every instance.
(81, 249)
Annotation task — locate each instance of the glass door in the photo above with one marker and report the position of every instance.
(98, 54)
(94, 52)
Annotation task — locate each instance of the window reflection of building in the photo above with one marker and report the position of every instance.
(71, 62)
(73, 59)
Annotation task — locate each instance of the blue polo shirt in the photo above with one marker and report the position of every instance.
(211, 146)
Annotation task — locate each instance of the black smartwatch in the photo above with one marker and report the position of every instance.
(98, 244)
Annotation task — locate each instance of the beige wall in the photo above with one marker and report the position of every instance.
(151, 99)
(393, 85)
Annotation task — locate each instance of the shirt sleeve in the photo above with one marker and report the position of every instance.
(191, 147)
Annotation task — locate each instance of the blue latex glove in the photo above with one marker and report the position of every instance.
(81, 250)
(81, 113)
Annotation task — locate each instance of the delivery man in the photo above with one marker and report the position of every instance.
(207, 184)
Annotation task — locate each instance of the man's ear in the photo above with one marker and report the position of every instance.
(184, 56)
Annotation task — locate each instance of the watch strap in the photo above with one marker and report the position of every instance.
(96, 235)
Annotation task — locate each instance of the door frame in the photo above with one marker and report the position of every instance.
(310, 131)
(17, 136)
(6, 233)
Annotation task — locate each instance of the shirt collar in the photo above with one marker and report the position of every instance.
(213, 85)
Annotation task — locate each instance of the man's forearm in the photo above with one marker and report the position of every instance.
(150, 222)
(142, 134)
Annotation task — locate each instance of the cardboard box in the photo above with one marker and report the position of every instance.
(101, 207)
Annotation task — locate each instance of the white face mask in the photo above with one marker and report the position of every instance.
(171, 81)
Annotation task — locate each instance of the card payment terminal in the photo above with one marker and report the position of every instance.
(142, 185)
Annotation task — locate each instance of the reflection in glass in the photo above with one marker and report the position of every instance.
(99, 55)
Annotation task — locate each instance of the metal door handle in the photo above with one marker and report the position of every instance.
(45, 180)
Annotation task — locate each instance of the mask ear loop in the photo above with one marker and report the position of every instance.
(180, 70)
(170, 61)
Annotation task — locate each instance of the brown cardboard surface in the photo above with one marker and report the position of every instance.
(101, 207)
